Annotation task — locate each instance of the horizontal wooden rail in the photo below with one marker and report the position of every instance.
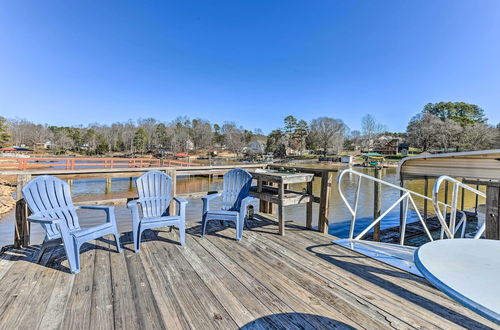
(71, 163)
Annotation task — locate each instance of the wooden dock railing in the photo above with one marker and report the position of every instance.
(73, 163)
(22, 226)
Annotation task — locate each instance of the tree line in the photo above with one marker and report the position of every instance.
(132, 137)
(452, 126)
(443, 126)
(322, 134)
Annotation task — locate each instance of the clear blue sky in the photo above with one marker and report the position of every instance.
(254, 62)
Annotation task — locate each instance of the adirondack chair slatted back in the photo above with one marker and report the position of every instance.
(50, 197)
(236, 186)
(155, 191)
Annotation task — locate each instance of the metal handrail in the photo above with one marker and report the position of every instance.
(407, 198)
(453, 225)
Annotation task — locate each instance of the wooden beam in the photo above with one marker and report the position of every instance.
(262, 204)
(446, 192)
(492, 212)
(22, 229)
(309, 207)
(181, 169)
(462, 197)
(316, 171)
(281, 209)
(108, 189)
(401, 211)
(377, 203)
(324, 207)
(173, 174)
(426, 193)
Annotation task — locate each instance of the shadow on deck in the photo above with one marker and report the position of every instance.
(300, 280)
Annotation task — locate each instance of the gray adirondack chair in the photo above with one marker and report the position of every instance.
(49, 200)
(235, 200)
(155, 193)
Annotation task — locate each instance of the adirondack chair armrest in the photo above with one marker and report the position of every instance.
(60, 223)
(211, 196)
(133, 205)
(182, 206)
(180, 201)
(95, 207)
(247, 201)
(206, 201)
(43, 220)
(109, 209)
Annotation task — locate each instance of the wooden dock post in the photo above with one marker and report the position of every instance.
(377, 203)
(463, 197)
(262, 204)
(476, 201)
(173, 175)
(281, 209)
(401, 215)
(131, 183)
(22, 229)
(70, 182)
(324, 205)
(426, 193)
(309, 206)
(108, 189)
(493, 211)
(446, 189)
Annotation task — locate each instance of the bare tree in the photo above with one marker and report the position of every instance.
(370, 129)
(496, 143)
(447, 133)
(422, 130)
(479, 136)
(24, 132)
(234, 139)
(328, 133)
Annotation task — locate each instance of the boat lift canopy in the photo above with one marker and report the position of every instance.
(481, 165)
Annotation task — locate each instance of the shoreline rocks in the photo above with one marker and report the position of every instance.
(7, 202)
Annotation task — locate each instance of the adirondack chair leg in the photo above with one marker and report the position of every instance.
(182, 232)
(74, 259)
(239, 229)
(117, 240)
(137, 242)
(41, 252)
(203, 225)
(135, 234)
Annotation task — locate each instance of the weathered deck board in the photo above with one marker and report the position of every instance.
(412, 292)
(264, 281)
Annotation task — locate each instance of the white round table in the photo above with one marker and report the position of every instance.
(468, 270)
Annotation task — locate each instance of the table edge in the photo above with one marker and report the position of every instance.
(457, 296)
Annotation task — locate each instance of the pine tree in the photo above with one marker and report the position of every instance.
(4, 136)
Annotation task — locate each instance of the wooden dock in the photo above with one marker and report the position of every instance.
(265, 281)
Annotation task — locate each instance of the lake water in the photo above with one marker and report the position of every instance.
(339, 215)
